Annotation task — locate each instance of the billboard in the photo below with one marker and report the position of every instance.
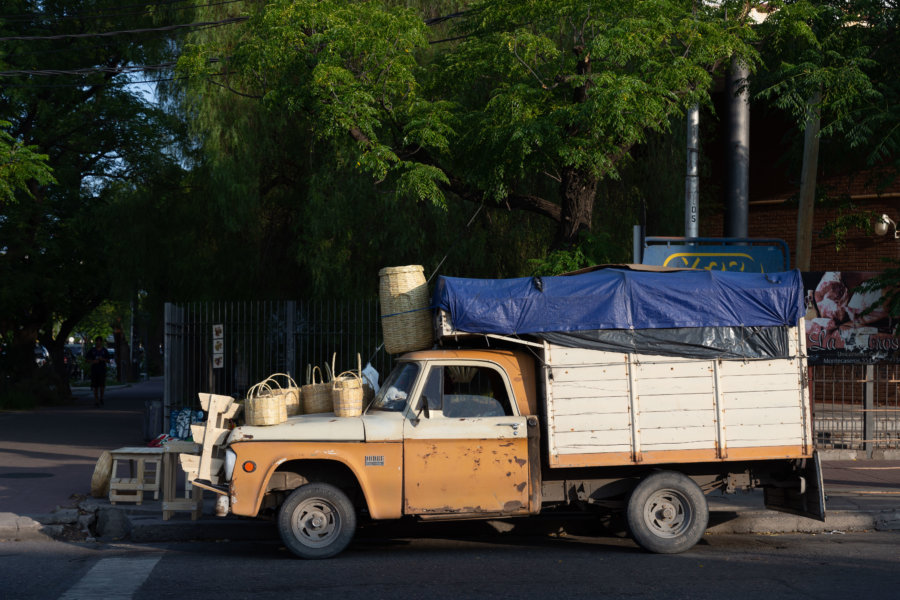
(845, 325)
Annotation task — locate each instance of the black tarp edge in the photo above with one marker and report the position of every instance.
(687, 342)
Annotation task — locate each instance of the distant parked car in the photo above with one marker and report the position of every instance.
(41, 355)
(73, 366)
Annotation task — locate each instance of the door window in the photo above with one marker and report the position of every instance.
(466, 391)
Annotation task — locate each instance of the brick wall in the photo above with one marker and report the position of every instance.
(861, 251)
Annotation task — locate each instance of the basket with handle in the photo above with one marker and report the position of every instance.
(316, 395)
(290, 392)
(347, 395)
(405, 315)
(265, 406)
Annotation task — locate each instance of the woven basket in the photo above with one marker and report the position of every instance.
(102, 475)
(347, 395)
(405, 313)
(264, 405)
(316, 394)
(290, 392)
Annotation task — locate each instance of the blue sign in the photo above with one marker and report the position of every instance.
(719, 257)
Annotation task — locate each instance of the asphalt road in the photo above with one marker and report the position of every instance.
(735, 567)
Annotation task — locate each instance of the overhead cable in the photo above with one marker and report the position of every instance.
(64, 36)
(25, 17)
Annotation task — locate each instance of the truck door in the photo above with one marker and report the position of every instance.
(466, 447)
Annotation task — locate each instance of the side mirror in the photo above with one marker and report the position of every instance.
(423, 408)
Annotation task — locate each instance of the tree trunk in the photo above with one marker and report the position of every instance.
(577, 191)
(803, 251)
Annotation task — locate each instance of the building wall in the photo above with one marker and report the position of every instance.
(862, 251)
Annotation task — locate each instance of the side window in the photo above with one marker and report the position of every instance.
(470, 391)
(433, 389)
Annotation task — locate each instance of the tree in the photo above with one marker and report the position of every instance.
(832, 67)
(102, 138)
(19, 166)
(529, 109)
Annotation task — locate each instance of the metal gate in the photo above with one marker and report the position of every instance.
(226, 347)
(856, 407)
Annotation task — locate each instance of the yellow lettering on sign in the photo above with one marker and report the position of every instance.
(729, 261)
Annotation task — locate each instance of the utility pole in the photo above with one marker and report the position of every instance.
(737, 190)
(692, 179)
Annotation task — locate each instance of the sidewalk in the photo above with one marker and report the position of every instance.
(47, 458)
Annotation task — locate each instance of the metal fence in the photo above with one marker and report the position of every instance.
(856, 407)
(226, 347)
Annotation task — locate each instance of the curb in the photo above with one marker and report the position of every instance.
(20, 529)
(141, 527)
(839, 521)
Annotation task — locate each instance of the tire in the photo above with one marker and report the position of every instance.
(317, 521)
(667, 513)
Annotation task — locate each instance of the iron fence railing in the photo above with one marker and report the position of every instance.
(226, 347)
(856, 407)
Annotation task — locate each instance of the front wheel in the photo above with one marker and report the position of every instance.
(667, 513)
(317, 521)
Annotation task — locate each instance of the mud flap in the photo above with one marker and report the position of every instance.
(807, 499)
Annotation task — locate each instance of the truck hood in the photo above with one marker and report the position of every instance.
(305, 428)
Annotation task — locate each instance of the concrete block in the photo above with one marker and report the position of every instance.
(86, 521)
(61, 516)
(888, 521)
(53, 530)
(89, 505)
(113, 524)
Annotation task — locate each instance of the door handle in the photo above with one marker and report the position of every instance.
(515, 427)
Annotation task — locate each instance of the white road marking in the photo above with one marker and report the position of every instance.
(113, 579)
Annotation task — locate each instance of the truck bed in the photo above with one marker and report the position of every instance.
(609, 408)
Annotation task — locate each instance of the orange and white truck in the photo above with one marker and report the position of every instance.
(513, 422)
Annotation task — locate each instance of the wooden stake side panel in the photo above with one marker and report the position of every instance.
(595, 407)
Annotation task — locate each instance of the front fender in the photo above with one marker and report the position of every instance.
(378, 468)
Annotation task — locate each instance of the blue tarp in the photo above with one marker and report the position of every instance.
(621, 299)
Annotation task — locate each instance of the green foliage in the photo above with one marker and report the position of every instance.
(591, 250)
(531, 102)
(20, 165)
(849, 218)
(62, 242)
(841, 55)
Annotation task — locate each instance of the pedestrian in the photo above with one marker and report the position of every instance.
(98, 357)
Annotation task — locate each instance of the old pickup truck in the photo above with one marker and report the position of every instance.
(610, 390)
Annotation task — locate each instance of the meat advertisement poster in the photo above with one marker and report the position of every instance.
(842, 326)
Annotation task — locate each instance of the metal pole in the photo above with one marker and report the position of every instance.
(869, 412)
(692, 179)
(737, 190)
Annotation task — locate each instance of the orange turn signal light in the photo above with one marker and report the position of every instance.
(249, 466)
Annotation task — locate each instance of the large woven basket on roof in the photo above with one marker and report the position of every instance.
(316, 394)
(347, 395)
(405, 313)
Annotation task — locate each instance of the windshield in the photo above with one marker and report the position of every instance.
(394, 393)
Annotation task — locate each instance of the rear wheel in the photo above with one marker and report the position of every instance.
(667, 513)
(317, 521)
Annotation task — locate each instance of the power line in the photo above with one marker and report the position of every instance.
(26, 17)
(229, 21)
(104, 83)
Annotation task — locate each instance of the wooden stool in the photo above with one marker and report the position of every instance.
(141, 479)
(193, 496)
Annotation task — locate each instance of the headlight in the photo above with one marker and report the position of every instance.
(230, 460)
